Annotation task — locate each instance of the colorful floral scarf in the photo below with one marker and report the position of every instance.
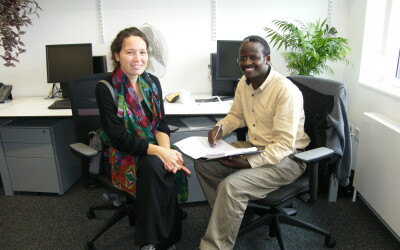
(130, 111)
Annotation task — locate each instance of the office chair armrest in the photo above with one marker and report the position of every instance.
(312, 158)
(173, 128)
(83, 150)
(314, 155)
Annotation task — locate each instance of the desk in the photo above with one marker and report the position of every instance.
(31, 109)
(34, 141)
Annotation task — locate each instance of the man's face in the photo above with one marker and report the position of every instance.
(251, 60)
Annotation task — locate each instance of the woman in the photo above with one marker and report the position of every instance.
(142, 162)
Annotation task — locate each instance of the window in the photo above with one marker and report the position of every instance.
(380, 55)
(398, 67)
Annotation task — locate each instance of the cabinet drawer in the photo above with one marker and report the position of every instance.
(180, 135)
(33, 174)
(25, 150)
(27, 135)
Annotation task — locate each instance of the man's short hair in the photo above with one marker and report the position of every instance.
(262, 41)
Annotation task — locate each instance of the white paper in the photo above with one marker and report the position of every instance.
(198, 147)
(231, 152)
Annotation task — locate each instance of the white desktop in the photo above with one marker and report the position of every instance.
(191, 107)
(37, 107)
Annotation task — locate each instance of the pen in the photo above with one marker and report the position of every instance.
(215, 136)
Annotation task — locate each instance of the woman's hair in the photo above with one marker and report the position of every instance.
(262, 41)
(116, 45)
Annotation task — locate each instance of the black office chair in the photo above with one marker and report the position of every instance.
(317, 105)
(86, 119)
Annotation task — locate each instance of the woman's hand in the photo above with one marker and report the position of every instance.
(180, 165)
(172, 159)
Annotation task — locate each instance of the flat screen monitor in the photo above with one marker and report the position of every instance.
(227, 54)
(68, 61)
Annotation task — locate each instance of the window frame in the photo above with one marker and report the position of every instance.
(398, 66)
(380, 60)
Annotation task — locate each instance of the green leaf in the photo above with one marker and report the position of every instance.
(308, 47)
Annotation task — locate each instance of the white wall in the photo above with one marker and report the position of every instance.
(186, 25)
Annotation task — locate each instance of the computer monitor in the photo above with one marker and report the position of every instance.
(227, 66)
(68, 61)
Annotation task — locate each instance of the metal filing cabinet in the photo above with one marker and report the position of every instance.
(37, 155)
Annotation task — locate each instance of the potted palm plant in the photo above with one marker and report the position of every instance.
(308, 47)
(14, 16)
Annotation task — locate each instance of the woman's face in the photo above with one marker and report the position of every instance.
(133, 57)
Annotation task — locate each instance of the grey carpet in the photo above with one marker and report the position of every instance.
(50, 221)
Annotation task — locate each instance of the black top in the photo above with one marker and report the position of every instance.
(113, 126)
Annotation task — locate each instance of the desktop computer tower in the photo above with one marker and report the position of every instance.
(99, 64)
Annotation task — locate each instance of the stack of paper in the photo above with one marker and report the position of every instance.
(231, 152)
(198, 147)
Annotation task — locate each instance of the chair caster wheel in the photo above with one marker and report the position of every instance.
(329, 242)
(90, 214)
(90, 246)
(184, 216)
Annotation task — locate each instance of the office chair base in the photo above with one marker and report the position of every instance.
(280, 218)
(118, 215)
(91, 214)
(109, 206)
(90, 246)
(274, 221)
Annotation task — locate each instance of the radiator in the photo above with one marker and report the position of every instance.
(377, 172)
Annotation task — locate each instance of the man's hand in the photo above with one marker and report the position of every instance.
(214, 135)
(235, 162)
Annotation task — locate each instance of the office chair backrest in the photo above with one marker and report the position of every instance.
(318, 95)
(325, 107)
(86, 118)
(84, 106)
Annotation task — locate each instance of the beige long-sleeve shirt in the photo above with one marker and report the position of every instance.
(274, 116)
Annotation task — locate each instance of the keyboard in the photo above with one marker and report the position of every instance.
(61, 104)
(214, 99)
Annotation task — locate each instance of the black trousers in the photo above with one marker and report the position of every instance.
(158, 217)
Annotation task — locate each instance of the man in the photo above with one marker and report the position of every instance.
(272, 108)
